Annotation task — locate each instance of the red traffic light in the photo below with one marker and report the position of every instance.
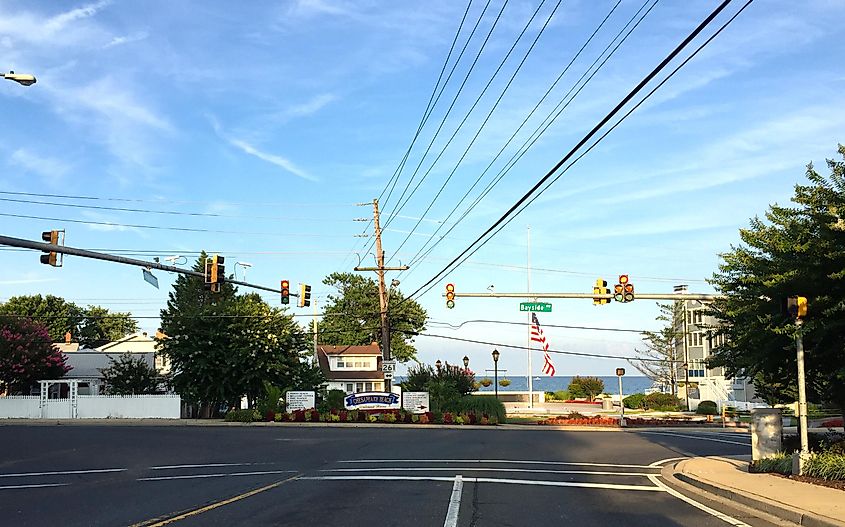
(623, 279)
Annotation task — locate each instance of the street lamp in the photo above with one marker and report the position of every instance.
(438, 365)
(496, 372)
(619, 373)
(24, 79)
(466, 362)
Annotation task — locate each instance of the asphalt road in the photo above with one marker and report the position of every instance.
(191, 476)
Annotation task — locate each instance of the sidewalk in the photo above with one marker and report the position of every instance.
(794, 501)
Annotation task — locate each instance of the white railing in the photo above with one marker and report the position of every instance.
(20, 406)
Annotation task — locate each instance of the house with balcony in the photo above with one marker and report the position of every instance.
(352, 369)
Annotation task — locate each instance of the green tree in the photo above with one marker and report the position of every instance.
(585, 387)
(225, 346)
(91, 327)
(128, 375)
(353, 316)
(796, 250)
(27, 355)
(660, 359)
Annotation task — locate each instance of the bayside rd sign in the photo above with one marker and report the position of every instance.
(371, 401)
(540, 307)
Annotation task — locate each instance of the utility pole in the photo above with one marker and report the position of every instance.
(316, 313)
(802, 398)
(382, 290)
(680, 289)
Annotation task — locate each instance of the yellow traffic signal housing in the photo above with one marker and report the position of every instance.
(598, 289)
(796, 307)
(52, 257)
(304, 295)
(450, 295)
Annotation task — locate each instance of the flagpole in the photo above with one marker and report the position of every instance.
(530, 370)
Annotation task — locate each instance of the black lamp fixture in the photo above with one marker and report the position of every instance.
(438, 364)
(496, 355)
(466, 362)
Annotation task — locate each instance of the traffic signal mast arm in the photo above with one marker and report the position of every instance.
(84, 253)
(643, 296)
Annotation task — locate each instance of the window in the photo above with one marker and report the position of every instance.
(340, 363)
(359, 386)
(349, 387)
(369, 386)
(357, 364)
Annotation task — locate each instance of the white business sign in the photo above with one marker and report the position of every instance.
(371, 401)
(415, 402)
(300, 400)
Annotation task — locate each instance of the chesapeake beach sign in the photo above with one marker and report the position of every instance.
(371, 401)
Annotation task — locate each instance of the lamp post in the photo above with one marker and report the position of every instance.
(496, 372)
(619, 373)
(23, 79)
(466, 362)
(438, 365)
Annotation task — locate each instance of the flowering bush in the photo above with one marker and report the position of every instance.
(447, 418)
(425, 419)
(27, 355)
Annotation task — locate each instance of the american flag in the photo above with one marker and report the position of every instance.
(537, 336)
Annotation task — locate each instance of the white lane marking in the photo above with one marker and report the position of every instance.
(61, 472)
(515, 462)
(612, 486)
(471, 469)
(698, 437)
(9, 487)
(222, 475)
(169, 467)
(705, 508)
(454, 503)
(668, 459)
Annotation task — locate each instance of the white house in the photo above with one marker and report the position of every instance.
(352, 369)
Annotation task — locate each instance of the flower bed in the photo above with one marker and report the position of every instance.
(581, 421)
(576, 419)
(384, 416)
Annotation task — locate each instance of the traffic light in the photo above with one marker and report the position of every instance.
(796, 306)
(285, 292)
(599, 289)
(304, 295)
(51, 258)
(216, 273)
(450, 295)
(624, 290)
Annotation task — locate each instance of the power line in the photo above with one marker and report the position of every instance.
(486, 118)
(618, 122)
(486, 321)
(580, 143)
(164, 228)
(169, 201)
(544, 125)
(167, 212)
(558, 352)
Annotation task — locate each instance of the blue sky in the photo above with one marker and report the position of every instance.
(280, 117)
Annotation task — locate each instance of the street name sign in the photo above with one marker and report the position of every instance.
(299, 400)
(540, 307)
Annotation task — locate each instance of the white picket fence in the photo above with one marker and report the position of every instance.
(92, 407)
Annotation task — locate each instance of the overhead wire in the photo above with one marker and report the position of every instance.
(508, 214)
(160, 201)
(544, 124)
(486, 118)
(616, 124)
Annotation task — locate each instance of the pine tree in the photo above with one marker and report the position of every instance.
(660, 358)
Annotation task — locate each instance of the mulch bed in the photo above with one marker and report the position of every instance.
(834, 484)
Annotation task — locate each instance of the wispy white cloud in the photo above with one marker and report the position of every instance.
(126, 39)
(54, 30)
(23, 281)
(248, 148)
(311, 106)
(52, 170)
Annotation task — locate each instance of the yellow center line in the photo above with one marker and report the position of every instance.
(215, 505)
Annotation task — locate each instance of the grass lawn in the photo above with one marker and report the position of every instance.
(520, 420)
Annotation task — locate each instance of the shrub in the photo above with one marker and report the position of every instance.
(707, 408)
(634, 401)
(334, 400)
(664, 402)
(575, 415)
(445, 385)
(424, 419)
(484, 405)
(388, 418)
(780, 463)
(826, 465)
(585, 387)
(242, 416)
(447, 418)
(270, 402)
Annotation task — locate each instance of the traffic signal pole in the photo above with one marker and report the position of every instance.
(84, 253)
(639, 296)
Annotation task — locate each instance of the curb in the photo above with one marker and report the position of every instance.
(758, 504)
